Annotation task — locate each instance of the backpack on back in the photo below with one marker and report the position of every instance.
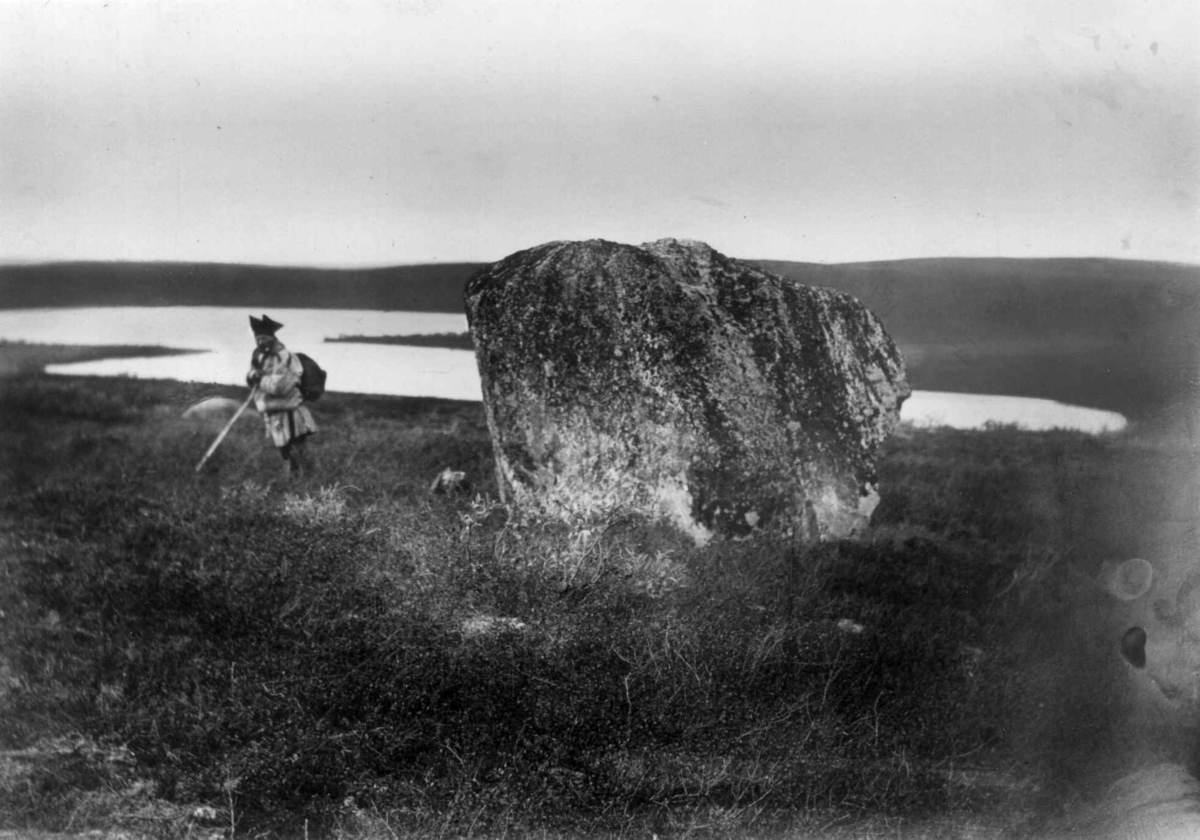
(312, 380)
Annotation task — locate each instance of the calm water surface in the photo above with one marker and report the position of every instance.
(222, 338)
(222, 335)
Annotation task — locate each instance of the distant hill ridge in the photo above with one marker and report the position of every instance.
(417, 288)
(1117, 334)
(1021, 299)
(1121, 335)
(1035, 293)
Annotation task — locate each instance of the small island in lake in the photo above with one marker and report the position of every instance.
(452, 341)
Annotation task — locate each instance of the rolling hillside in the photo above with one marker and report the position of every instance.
(414, 288)
(1113, 334)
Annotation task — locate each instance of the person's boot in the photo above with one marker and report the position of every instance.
(289, 461)
(301, 461)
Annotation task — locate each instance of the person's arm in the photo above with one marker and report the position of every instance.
(280, 374)
(254, 374)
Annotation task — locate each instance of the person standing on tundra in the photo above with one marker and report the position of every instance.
(275, 376)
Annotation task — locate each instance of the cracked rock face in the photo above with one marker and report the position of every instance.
(672, 380)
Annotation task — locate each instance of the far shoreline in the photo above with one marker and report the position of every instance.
(22, 357)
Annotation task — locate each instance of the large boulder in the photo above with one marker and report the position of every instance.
(674, 381)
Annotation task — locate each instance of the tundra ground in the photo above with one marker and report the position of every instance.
(231, 653)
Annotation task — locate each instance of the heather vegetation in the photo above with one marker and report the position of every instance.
(347, 655)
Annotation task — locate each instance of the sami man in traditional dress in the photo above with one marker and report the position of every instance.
(275, 375)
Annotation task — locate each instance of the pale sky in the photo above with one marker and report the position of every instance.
(377, 132)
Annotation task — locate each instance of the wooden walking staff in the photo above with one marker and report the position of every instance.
(228, 426)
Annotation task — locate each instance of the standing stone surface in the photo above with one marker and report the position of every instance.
(675, 381)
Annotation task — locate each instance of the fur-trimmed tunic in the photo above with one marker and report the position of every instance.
(278, 397)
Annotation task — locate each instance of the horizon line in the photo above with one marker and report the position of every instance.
(17, 262)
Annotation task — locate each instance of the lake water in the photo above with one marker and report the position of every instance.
(222, 337)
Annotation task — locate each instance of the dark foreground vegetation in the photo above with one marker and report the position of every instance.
(233, 653)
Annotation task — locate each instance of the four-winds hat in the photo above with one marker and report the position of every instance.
(264, 325)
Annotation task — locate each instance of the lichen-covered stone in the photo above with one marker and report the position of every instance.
(676, 381)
